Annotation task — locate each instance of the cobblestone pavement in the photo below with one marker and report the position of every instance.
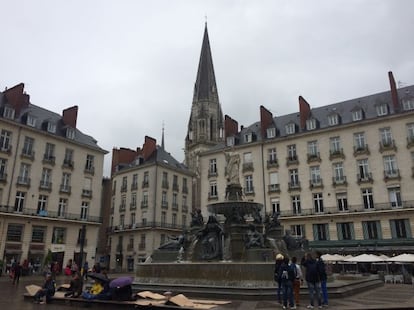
(389, 296)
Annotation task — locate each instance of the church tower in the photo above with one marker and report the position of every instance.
(206, 124)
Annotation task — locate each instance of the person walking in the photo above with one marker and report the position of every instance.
(312, 280)
(298, 281)
(323, 277)
(17, 272)
(277, 278)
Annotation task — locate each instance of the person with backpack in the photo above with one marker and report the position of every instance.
(48, 290)
(277, 278)
(323, 277)
(287, 274)
(298, 281)
(312, 280)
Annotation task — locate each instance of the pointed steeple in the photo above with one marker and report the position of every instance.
(205, 87)
(162, 138)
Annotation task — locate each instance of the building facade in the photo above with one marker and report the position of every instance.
(340, 175)
(50, 183)
(151, 202)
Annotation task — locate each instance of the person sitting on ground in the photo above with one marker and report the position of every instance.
(76, 286)
(47, 290)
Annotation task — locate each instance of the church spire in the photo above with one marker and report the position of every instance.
(162, 138)
(205, 87)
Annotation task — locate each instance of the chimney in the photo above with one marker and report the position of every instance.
(70, 116)
(230, 126)
(266, 119)
(122, 156)
(304, 110)
(394, 93)
(149, 147)
(16, 97)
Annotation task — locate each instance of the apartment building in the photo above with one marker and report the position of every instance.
(151, 201)
(50, 183)
(341, 175)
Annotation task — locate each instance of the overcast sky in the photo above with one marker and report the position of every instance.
(131, 65)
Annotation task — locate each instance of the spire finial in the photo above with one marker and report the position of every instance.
(205, 17)
(162, 138)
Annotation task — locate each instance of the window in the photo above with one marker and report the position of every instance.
(185, 188)
(133, 199)
(275, 204)
(390, 166)
(320, 232)
(163, 218)
(230, 141)
(400, 229)
(357, 115)
(248, 183)
(45, 178)
(345, 231)
(335, 145)
(296, 208)
(8, 112)
(213, 189)
(338, 172)
(175, 182)
(394, 195)
(248, 137)
(363, 169)
(382, 109)
(24, 174)
(121, 221)
(63, 202)
(311, 124)
(14, 232)
(49, 152)
(291, 149)
(294, 177)
(28, 147)
(333, 119)
(371, 230)
(38, 234)
(145, 181)
(274, 181)
(87, 187)
(165, 180)
(247, 158)
(3, 168)
(68, 160)
(143, 241)
(89, 165)
(313, 150)
(213, 166)
(297, 230)
(124, 184)
(408, 104)
(342, 202)
(59, 235)
(272, 155)
(31, 121)
(123, 203)
(174, 219)
(290, 128)
(19, 201)
(359, 141)
(144, 202)
(70, 133)
(133, 219)
(174, 200)
(315, 175)
(164, 201)
(410, 133)
(386, 136)
(318, 202)
(51, 127)
(65, 185)
(5, 141)
(84, 210)
(134, 184)
(42, 204)
(367, 198)
(271, 132)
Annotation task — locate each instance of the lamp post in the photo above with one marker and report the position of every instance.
(82, 243)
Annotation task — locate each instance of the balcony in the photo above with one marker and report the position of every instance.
(124, 188)
(134, 186)
(314, 157)
(89, 170)
(361, 150)
(68, 164)
(339, 181)
(164, 204)
(247, 167)
(391, 175)
(272, 163)
(133, 206)
(6, 149)
(273, 188)
(175, 187)
(145, 184)
(292, 160)
(365, 178)
(45, 185)
(294, 186)
(65, 189)
(28, 154)
(3, 177)
(248, 191)
(122, 207)
(185, 190)
(212, 196)
(174, 206)
(49, 159)
(86, 193)
(144, 204)
(336, 154)
(165, 184)
(23, 181)
(316, 184)
(387, 146)
(212, 173)
(410, 142)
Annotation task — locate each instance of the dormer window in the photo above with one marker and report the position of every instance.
(382, 109)
(31, 121)
(290, 128)
(70, 133)
(190, 135)
(271, 132)
(248, 137)
(333, 119)
(357, 115)
(311, 124)
(8, 113)
(408, 104)
(230, 141)
(51, 127)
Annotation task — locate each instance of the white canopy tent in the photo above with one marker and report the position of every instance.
(365, 258)
(402, 258)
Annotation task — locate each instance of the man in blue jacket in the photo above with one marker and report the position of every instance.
(312, 280)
